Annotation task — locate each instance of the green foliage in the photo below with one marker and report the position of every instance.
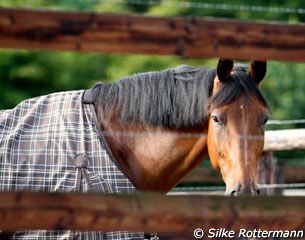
(285, 90)
(26, 74)
(218, 8)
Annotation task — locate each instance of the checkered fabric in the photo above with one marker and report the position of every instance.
(53, 144)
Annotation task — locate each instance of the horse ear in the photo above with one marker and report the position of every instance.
(258, 70)
(224, 69)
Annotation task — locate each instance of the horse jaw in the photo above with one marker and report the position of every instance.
(155, 158)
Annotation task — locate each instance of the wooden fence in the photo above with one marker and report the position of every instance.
(148, 212)
(288, 139)
(190, 37)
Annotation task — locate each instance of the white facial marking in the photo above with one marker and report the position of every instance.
(244, 140)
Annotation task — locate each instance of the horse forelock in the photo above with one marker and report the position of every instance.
(172, 98)
(240, 85)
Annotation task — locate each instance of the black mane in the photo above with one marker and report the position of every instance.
(175, 97)
(241, 85)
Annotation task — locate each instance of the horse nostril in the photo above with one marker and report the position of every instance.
(233, 193)
(258, 192)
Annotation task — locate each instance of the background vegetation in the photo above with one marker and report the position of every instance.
(25, 74)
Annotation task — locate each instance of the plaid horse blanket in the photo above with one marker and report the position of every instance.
(54, 143)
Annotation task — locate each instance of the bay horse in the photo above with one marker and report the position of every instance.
(143, 132)
(156, 126)
(160, 125)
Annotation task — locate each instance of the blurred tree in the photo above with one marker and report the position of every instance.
(26, 74)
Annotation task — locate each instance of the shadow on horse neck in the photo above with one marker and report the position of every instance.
(160, 125)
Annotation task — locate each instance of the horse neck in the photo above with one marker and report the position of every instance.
(155, 158)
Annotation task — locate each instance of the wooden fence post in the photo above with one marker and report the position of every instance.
(269, 172)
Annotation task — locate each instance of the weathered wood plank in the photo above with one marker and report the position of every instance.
(285, 140)
(196, 37)
(148, 212)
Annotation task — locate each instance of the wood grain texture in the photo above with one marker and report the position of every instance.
(189, 37)
(289, 139)
(148, 212)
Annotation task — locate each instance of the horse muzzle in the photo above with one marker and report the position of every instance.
(243, 190)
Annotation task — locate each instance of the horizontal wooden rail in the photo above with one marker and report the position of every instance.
(148, 212)
(285, 139)
(190, 37)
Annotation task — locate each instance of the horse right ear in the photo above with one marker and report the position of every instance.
(224, 69)
(258, 70)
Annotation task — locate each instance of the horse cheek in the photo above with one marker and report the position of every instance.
(213, 147)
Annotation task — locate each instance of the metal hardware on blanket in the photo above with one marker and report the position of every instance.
(151, 236)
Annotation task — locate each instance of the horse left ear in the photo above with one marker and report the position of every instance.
(258, 70)
(224, 69)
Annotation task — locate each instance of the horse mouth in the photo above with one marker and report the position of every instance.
(242, 190)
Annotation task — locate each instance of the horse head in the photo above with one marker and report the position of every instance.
(237, 119)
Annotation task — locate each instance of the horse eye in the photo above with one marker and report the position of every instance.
(215, 119)
(266, 120)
